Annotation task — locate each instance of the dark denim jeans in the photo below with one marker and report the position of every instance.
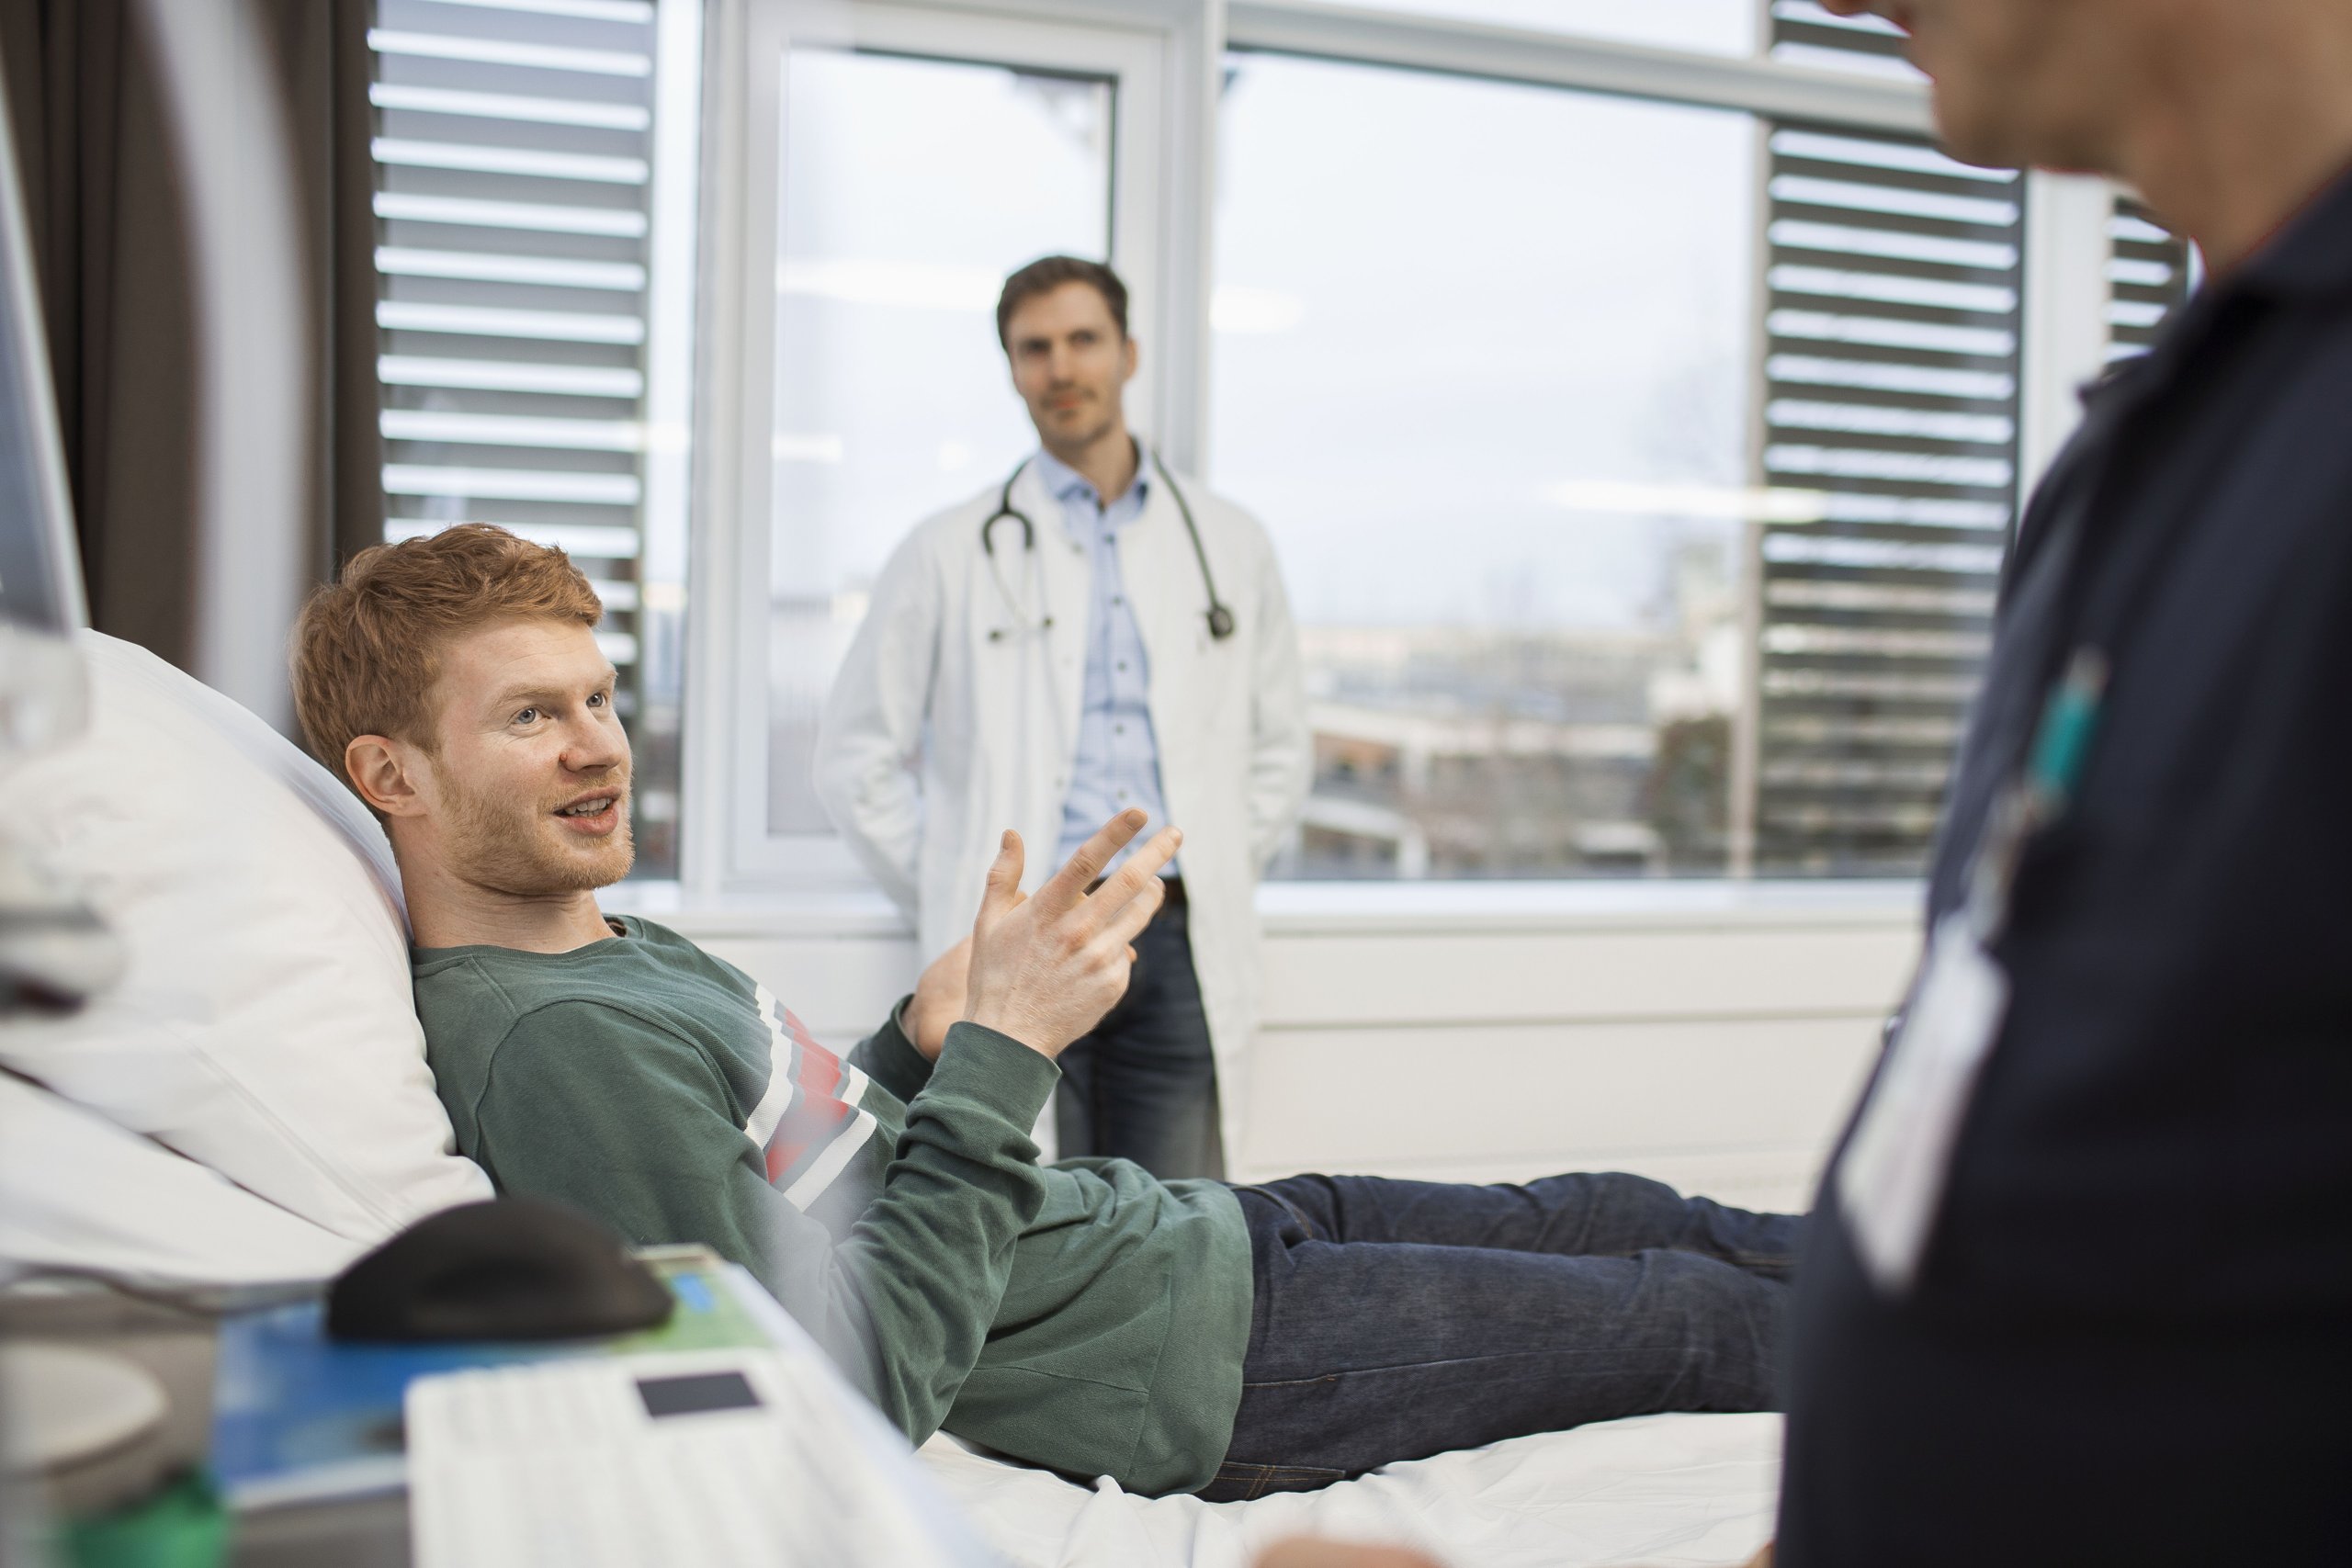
(1142, 1084)
(1399, 1319)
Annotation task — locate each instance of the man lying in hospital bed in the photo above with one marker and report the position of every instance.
(252, 1105)
(1179, 1336)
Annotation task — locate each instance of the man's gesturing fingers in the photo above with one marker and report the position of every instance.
(1003, 889)
(1142, 869)
(1127, 920)
(1044, 969)
(1069, 885)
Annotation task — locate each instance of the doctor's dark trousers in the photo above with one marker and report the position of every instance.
(1142, 1084)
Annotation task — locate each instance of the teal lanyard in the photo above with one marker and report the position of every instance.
(2041, 795)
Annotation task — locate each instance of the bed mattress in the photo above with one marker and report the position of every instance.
(1661, 1491)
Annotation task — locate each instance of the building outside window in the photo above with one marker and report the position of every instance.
(1492, 401)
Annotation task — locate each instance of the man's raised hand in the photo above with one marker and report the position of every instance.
(1045, 969)
(939, 998)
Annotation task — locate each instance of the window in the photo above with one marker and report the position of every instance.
(1639, 427)
(1717, 27)
(899, 161)
(1804, 33)
(1482, 368)
(1892, 386)
(2150, 273)
(1572, 606)
(910, 189)
(533, 241)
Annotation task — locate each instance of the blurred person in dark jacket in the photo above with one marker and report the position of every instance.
(2081, 1287)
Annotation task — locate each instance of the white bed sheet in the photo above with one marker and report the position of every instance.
(1660, 1491)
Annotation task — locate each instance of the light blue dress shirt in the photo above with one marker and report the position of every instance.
(1117, 765)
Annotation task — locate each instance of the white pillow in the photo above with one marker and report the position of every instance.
(78, 1193)
(265, 1027)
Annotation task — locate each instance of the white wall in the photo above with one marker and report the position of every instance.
(1711, 1036)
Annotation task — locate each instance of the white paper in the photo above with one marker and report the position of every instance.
(1891, 1181)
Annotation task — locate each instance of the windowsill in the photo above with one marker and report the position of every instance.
(1299, 908)
(1308, 909)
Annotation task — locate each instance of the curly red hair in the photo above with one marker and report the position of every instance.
(366, 651)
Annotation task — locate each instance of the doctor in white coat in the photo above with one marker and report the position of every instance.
(1091, 635)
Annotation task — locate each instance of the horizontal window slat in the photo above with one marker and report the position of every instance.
(1922, 777)
(530, 162)
(1820, 57)
(470, 320)
(511, 484)
(510, 107)
(1982, 560)
(1918, 467)
(589, 541)
(506, 430)
(1855, 506)
(1874, 686)
(474, 213)
(1810, 14)
(1798, 638)
(1878, 420)
(2145, 274)
(638, 11)
(510, 376)
(1811, 191)
(1826, 147)
(1977, 297)
(495, 51)
(1890, 377)
(489, 267)
(1828, 326)
(1846, 730)
(1893, 244)
(1881, 597)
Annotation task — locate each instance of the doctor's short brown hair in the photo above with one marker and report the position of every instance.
(367, 652)
(1048, 273)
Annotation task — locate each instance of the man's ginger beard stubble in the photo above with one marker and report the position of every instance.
(502, 845)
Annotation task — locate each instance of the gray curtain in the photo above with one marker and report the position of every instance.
(110, 243)
(105, 194)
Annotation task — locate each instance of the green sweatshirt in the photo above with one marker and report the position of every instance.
(1082, 1315)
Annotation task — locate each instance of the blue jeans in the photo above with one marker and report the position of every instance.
(1399, 1319)
(1141, 1085)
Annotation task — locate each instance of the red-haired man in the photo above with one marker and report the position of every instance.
(1181, 1336)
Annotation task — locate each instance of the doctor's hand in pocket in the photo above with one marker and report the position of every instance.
(1047, 966)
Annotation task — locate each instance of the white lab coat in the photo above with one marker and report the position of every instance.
(938, 736)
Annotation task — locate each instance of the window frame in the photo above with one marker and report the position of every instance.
(1163, 244)
(728, 768)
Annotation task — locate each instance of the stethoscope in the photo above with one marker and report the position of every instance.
(1220, 619)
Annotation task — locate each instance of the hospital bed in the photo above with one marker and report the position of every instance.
(250, 1108)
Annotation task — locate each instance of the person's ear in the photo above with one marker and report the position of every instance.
(1133, 359)
(384, 772)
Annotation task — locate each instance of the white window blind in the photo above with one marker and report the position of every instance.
(1891, 378)
(1806, 33)
(2149, 274)
(513, 153)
